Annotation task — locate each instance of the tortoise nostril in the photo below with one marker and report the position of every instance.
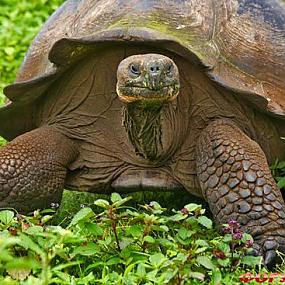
(155, 68)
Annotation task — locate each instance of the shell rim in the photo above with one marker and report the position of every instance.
(16, 92)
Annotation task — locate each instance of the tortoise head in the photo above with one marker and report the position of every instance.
(147, 78)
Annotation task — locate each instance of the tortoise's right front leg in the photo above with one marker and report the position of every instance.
(33, 168)
(237, 183)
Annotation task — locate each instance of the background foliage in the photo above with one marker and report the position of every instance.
(19, 23)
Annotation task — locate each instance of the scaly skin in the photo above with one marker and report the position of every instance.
(237, 183)
(33, 168)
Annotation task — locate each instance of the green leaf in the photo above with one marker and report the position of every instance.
(6, 240)
(122, 201)
(5, 255)
(192, 207)
(227, 238)
(281, 182)
(164, 228)
(206, 262)
(66, 265)
(201, 242)
(224, 262)
(62, 277)
(225, 247)
(94, 229)
(46, 218)
(177, 217)
(216, 277)
(167, 243)
(152, 275)
(167, 275)
(6, 217)
(156, 260)
(89, 279)
(246, 237)
(83, 214)
(9, 50)
(135, 231)
(281, 165)
(149, 239)
(197, 275)
(102, 203)
(114, 261)
(115, 197)
(251, 260)
(141, 272)
(155, 207)
(201, 249)
(191, 220)
(23, 263)
(182, 257)
(87, 250)
(27, 242)
(125, 242)
(206, 222)
(34, 230)
(184, 233)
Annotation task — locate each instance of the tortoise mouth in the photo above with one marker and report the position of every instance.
(129, 94)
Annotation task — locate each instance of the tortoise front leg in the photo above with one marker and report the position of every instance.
(236, 181)
(33, 169)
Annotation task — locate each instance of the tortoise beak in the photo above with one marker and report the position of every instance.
(154, 83)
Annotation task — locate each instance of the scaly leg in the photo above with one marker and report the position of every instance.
(33, 168)
(236, 181)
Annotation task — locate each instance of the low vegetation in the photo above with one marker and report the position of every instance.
(118, 244)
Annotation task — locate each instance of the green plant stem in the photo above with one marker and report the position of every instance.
(114, 227)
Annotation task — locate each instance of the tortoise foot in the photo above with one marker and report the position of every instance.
(267, 246)
(237, 183)
(33, 169)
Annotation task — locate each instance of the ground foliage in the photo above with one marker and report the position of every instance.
(103, 241)
(119, 244)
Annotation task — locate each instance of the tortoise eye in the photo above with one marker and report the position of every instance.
(169, 70)
(135, 69)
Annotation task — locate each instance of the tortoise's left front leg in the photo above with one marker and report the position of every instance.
(33, 168)
(237, 183)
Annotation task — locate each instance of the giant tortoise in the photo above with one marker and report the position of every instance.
(160, 95)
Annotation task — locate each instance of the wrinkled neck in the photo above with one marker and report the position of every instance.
(142, 123)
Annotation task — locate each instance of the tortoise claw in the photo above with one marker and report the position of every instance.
(270, 244)
(268, 249)
(270, 258)
(256, 250)
(269, 253)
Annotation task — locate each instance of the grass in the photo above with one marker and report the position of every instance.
(95, 240)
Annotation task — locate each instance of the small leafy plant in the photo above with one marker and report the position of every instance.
(121, 245)
(278, 169)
